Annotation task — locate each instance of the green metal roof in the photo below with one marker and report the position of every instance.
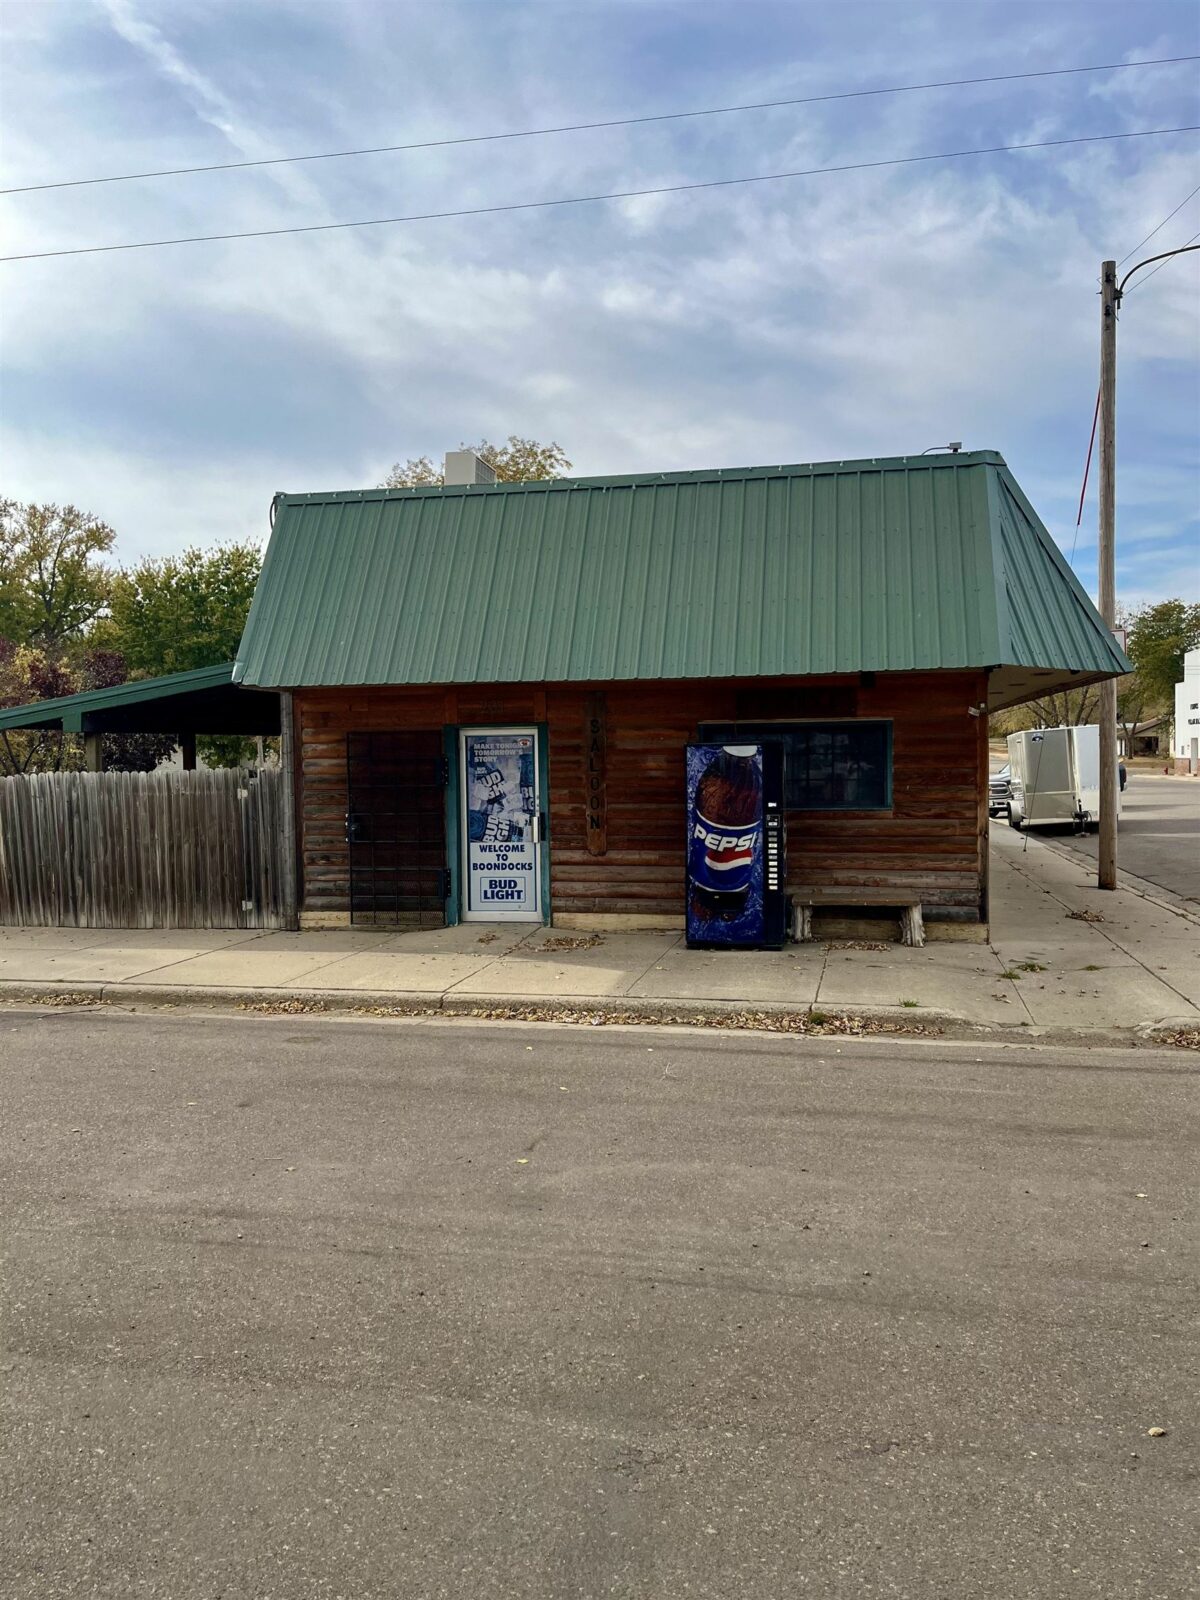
(201, 701)
(902, 564)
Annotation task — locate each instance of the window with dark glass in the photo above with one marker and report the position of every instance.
(829, 766)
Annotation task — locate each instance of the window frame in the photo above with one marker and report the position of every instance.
(750, 731)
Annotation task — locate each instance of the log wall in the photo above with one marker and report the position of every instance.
(933, 839)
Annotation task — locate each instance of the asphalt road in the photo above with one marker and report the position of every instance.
(298, 1308)
(1159, 834)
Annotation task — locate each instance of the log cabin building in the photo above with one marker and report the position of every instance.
(567, 639)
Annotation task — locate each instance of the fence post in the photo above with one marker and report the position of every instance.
(290, 857)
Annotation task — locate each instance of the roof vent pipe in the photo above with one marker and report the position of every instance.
(464, 466)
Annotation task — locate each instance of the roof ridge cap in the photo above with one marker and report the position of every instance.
(798, 469)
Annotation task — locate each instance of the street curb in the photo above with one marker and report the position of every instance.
(897, 1021)
(23, 992)
(418, 1003)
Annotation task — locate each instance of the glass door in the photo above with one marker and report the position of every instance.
(502, 825)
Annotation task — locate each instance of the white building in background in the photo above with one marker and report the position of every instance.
(1186, 740)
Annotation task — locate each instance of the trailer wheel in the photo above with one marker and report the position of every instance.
(1015, 819)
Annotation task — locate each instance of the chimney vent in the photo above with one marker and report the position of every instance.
(464, 466)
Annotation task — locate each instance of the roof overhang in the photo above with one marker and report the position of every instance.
(203, 701)
(1014, 686)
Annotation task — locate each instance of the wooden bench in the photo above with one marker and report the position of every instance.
(908, 904)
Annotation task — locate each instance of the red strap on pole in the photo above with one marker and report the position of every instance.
(1088, 464)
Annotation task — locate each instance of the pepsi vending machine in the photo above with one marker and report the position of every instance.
(736, 862)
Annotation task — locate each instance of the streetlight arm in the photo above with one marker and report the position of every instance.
(1166, 255)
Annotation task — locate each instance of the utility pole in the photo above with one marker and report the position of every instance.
(1109, 789)
(1111, 291)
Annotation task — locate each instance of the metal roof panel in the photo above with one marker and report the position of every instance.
(904, 563)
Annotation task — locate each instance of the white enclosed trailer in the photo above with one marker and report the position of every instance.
(1055, 777)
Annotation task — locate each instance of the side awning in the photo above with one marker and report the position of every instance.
(205, 700)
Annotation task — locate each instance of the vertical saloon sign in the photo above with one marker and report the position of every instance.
(595, 758)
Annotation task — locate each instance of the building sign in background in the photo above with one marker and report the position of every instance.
(501, 781)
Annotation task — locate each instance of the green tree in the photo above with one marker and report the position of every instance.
(518, 461)
(174, 613)
(14, 597)
(53, 582)
(1159, 638)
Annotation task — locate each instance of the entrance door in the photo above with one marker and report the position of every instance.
(396, 829)
(502, 825)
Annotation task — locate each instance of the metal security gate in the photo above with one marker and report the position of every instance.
(396, 828)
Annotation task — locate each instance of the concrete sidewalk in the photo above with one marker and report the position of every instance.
(1046, 968)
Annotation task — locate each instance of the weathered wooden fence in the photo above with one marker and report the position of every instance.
(145, 850)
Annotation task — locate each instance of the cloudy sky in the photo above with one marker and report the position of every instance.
(173, 391)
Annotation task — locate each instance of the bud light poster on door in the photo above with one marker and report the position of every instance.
(725, 844)
(501, 803)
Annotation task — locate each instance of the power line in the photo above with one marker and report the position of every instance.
(590, 199)
(1163, 262)
(614, 122)
(1161, 225)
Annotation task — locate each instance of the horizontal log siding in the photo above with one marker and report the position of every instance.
(933, 840)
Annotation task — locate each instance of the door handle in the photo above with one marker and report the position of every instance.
(539, 827)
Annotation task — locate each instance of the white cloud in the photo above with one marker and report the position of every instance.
(866, 313)
(204, 95)
(156, 503)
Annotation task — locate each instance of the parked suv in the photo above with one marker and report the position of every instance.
(1000, 792)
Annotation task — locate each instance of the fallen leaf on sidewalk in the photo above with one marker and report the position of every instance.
(55, 999)
(1086, 916)
(1181, 1038)
(757, 1021)
(289, 1008)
